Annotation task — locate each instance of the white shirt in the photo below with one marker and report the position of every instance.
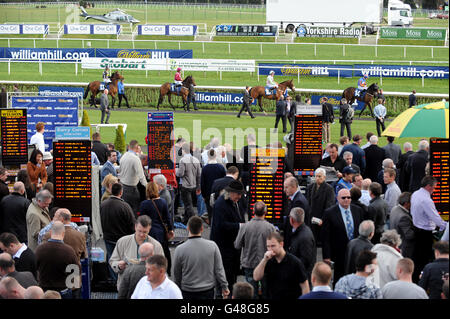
(20, 251)
(167, 290)
(365, 197)
(38, 140)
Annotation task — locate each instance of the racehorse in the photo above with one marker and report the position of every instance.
(184, 91)
(258, 92)
(372, 91)
(94, 88)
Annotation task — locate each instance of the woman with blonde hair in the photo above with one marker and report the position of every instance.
(107, 183)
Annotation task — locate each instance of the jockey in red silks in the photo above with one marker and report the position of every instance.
(178, 78)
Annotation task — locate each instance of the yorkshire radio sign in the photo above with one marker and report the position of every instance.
(328, 32)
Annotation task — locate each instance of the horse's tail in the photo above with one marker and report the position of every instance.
(86, 92)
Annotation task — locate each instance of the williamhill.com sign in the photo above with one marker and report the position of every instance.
(328, 32)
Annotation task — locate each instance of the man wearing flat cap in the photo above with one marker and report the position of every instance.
(347, 178)
(225, 226)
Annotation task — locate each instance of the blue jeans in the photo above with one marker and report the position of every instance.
(248, 273)
(200, 205)
(109, 251)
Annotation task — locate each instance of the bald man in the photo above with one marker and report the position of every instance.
(321, 278)
(11, 289)
(34, 292)
(340, 225)
(135, 272)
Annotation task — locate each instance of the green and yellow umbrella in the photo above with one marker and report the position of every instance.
(425, 120)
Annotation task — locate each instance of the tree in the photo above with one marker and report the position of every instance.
(85, 120)
(119, 142)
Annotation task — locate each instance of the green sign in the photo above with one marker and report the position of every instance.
(413, 33)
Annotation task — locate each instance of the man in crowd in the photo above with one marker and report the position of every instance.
(38, 216)
(198, 265)
(346, 181)
(328, 118)
(425, 219)
(393, 151)
(11, 289)
(436, 272)
(392, 190)
(108, 166)
(415, 166)
(13, 212)
(377, 211)
(189, 172)
(380, 114)
(285, 274)
(365, 193)
(401, 221)
(374, 158)
(403, 288)
(296, 199)
(333, 160)
(134, 272)
(38, 138)
(359, 157)
(412, 99)
(24, 258)
(104, 107)
(247, 100)
(401, 166)
(281, 109)
(321, 282)
(251, 238)
(356, 245)
(132, 173)
(8, 269)
(348, 158)
(100, 149)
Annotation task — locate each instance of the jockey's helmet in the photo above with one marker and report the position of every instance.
(365, 75)
(178, 69)
(272, 72)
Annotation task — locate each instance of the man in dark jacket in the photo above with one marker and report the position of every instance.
(415, 166)
(281, 114)
(247, 100)
(412, 98)
(377, 210)
(359, 157)
(434, 273)
(355, 246)
(333, 160)
(299, 239)
(401, 220)
(320, 196)
(99, 148)
(345, 118)
(7, 269)
(225, 227)
(374, 159)
(328, 118)
(13, 212)
(191, 98)
(24, 258)
(296, 199)
(401, 167)
(4, 190)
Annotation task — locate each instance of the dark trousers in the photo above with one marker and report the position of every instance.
(104, 112)
(245, 108)
(423, 251)
(349, 130)
(186, 197)
(379, 123)
(283, 119)
(189, 100)
(248, 273)
(132, 196)
(120, 99)
(109, 251)
(198, 295)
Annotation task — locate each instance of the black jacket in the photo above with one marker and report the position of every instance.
(13, 213)
(343, 110)
(281, 107)
(327, 113)
(412, 100)
(431, 279)
(403, 180)
(302, 244)
(354, 247)
(4, 190)
(26, 262)
(378, 212)
(415, 167)
(401, 220)
(247, 98)
(210, 173)
(374, 160)
(117, 219)
(300, 200)
(219, 184)
(100, 150)
(320, 199)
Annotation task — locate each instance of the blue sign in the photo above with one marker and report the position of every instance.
(335, 101)
(402, 71)
(219, 98)
(53, 111)
(159, 116)
(61, 91)
(306, 69)
(46, 54)
(72, 133)
(143, 54)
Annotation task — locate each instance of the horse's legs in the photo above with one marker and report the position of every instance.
(113, 100)
(184, 102)
(260, 105)
(161, 98)
(169, 97)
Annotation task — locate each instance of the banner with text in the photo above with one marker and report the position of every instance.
(46, 54)
(172, 30)
(124, 64)
(61, 91)
(402, 71)
(53, 111)
(334, 100)
(413, 33)
(23, 28)
(92, 29)
(246, 30)
(306, 69)
(143, 54)
(220, 98)
(304, 31)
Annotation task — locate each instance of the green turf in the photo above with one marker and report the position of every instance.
(208, 125)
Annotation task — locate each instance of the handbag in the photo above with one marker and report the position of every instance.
(162, 222)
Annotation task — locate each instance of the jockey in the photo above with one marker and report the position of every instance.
(362, 84)
(270, 82)
(178, 78)
(106, 75)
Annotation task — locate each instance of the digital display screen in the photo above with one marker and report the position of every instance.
(246, 30)
(266, 182)
(14, 137)
(73, 181)
(439, 168)
(307, 143)
(160, 142)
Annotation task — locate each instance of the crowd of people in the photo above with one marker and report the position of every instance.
(372, 233)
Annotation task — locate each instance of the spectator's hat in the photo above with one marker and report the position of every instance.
(235, 187)
(47, 156)
(348, 170)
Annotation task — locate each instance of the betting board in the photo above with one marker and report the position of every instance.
(266, 182)
(73, 181)
(307, 139)
(439, 168)
(14, 137)
(246, 30)
(161, 150)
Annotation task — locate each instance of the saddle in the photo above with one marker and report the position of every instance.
(175, 88)
(102, 86)
(269, 91)
(360, 93)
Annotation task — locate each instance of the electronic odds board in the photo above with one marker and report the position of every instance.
(439, 168)
(73, 181)
(266, 182)
(161, 150)
(307, 139)
(14, 137)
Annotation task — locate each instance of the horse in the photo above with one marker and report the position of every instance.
(184, 92)
(258, 92)
(372, 91)
(94, 88)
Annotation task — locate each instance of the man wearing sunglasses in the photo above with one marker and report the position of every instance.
(340, 225)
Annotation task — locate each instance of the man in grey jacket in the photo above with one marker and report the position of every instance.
(198, 265)
(189, 172)
(252, 238)
(402, 222)
(104, 107)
